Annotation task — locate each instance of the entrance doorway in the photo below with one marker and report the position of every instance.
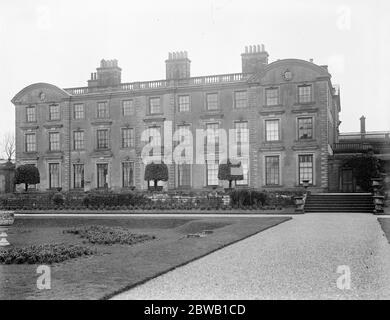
(347, 183)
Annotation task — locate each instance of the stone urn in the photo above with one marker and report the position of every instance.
(6, 220)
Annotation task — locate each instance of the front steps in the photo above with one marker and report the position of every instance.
(340, 202)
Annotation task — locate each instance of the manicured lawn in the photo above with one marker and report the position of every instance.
(117, 267)
(385, 223)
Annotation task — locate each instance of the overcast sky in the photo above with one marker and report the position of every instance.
(62, 42)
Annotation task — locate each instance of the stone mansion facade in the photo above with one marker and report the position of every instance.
(90, 137)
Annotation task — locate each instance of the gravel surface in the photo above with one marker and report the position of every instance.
(295, 260)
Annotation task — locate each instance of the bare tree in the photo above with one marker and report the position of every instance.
(9, 145)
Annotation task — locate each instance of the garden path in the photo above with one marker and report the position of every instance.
(303, 258)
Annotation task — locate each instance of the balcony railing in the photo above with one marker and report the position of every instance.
(147, 85)
(351, 147)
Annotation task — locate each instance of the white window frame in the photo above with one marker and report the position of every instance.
(59, 112)
(132, 138)
(107, 110)
(59, 173)
(150, 106)
(97, 139)
(132, 107)
(122, 177)
(178, 103)
(74, 111)
(25, 141)
(265, 129)
(311, 93)
(235, 100)
(74, 140)
(264, 173)
(35, 113)
(73, 174)
(108, 173)
(297, 167)
(278, 96)
(297, 127)
(206, 101)
(50, 133)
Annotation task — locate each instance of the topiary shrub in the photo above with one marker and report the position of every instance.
(27, 174)
(245, 198)
(58, 199)
(225, 172)
(156, 172)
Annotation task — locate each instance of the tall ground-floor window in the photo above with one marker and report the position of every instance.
(127, 174)
(272, 174)
(305, 167)
(78, 176)
(102, 175)
(245, 172)
(212, 172)
(184, 175)
(54, 175)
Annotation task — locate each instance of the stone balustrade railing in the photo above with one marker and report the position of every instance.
(147, 85)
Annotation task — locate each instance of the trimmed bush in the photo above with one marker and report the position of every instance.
(225, 172)
(58, 199)
(27, 174)
(245, 198)
(156, 172)
(114, 199)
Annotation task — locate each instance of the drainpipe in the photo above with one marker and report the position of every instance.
(70, 144)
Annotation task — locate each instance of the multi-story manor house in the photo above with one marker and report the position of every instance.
(90, 137)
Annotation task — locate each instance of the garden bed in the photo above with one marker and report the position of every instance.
(117, 267)
(43, 254)
(241, 199)
(97, 234)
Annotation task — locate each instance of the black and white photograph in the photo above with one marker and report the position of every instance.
(214, 152)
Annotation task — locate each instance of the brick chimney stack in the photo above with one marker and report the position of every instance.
(107, 75)
(178, 66)
(254, 59)
(362, 126)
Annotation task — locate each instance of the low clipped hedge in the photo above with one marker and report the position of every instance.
(115, 199)
(108, 235)
(247, 198)
(242, 198)
(44, 254)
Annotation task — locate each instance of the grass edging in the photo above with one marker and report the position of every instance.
(134, 285)
(289, 211)
(385, 225)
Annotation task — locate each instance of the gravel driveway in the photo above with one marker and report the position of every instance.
(295, 260)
